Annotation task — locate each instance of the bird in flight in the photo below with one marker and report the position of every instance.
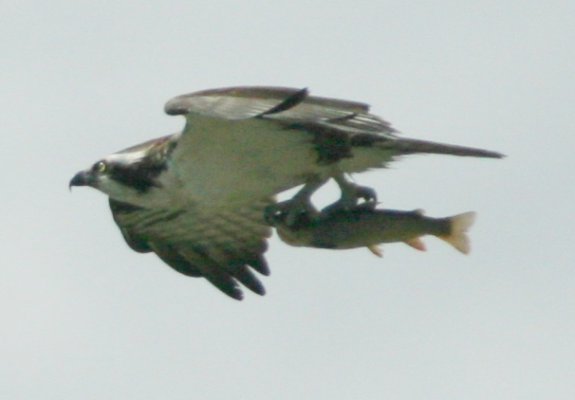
(202, 199)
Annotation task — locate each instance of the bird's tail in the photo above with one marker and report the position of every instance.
(457, 236)
(411, 146)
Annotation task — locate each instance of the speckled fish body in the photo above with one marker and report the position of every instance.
(364, 227)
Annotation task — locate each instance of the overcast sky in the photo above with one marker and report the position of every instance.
(84, 317)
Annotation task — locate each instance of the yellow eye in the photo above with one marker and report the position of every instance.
(100, 167)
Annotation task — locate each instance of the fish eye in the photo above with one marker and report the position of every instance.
(100, 167)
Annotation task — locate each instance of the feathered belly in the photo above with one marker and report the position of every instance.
(241, 171)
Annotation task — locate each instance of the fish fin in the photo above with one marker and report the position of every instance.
(375, 249)
(458, 238)
(416, 243)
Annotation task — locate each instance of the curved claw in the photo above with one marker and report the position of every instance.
(350, 196)
(289, 212)
(368, 194)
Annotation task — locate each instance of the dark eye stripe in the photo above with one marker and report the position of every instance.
(140, 176)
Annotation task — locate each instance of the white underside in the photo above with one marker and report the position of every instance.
(215, 166)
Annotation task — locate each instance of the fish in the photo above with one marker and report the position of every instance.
(369, 227)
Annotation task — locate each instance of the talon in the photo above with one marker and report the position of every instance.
(366, 193)
(290, 212)
(350, 196)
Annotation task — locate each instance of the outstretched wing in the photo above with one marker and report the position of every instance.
(253, 142)
(335, 129)
(281, 104)
(220, 245)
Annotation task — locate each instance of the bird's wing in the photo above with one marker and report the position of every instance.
(218, 244)
(239, 109)
(278, 104)
(336, 127)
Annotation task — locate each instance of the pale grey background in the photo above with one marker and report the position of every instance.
(84, 317)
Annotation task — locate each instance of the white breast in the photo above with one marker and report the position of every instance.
(253, 162)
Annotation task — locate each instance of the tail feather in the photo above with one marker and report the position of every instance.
(458, 238)
(410, 146)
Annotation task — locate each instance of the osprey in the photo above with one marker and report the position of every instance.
(201, 199)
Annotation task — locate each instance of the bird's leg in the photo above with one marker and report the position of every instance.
(351, 193)
(300, 205)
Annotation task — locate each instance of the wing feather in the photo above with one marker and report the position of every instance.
(243, 274)
(259, 263)
(174, 259)
(121, 211)
(336, 127)
(218, 275)
(284, 105)
(218, 244)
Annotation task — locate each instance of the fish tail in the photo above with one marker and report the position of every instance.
(457, 236)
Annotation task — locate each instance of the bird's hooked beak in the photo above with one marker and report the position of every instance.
(82, 178)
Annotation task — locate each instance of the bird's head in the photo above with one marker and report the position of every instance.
(129, 174)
